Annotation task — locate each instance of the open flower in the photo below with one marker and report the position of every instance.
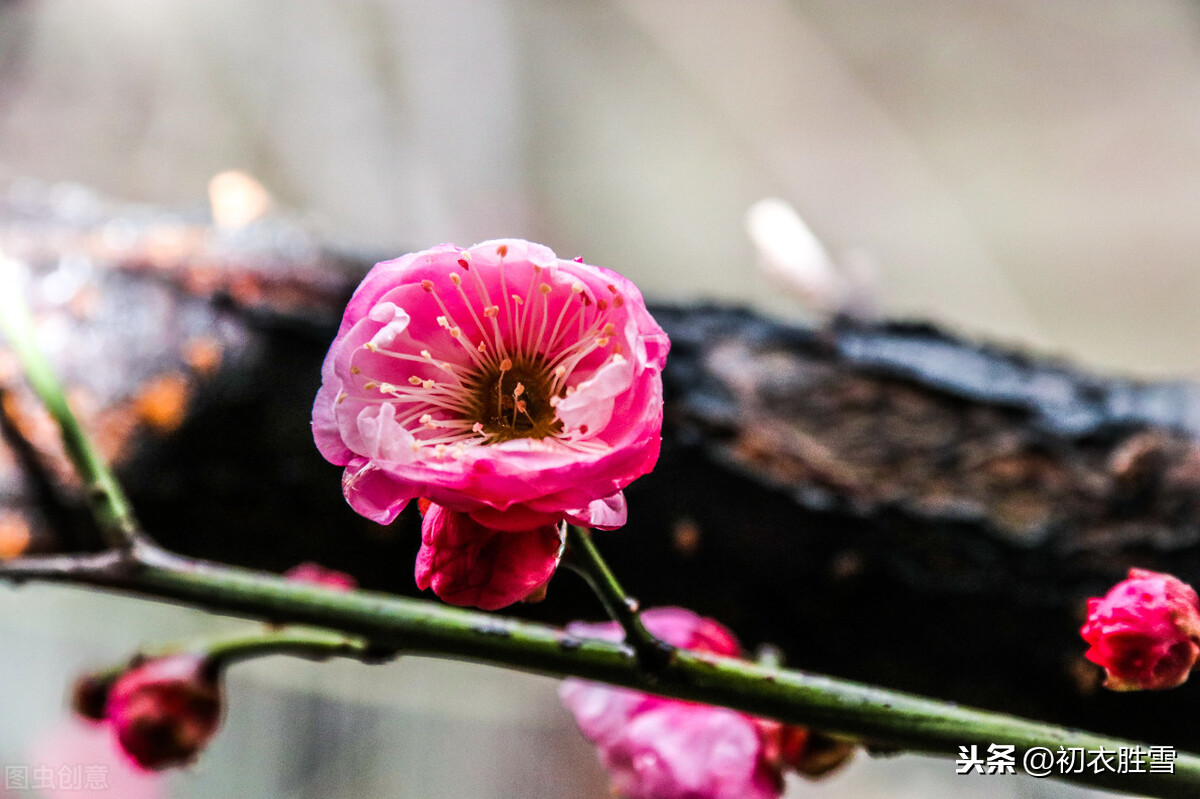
(658, 748)
(1145, 632)
(498, 381)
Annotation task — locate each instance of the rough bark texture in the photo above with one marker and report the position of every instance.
(884, 502)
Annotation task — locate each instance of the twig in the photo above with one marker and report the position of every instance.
(109, 506)
(62, 521)
(584, 558)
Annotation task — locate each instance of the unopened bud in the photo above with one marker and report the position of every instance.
(166, 710)
(1145, 632)
(316, 574)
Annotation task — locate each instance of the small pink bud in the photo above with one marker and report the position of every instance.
(1144, 632)
(466, 563)
(316, 574)
(164, 711)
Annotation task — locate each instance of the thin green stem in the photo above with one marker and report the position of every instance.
(108, 503)
(881, 717)
(584, 558)
(303, 642)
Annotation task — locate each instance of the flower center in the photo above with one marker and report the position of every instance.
(511, 399)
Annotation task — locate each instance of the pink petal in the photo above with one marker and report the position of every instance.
(678, 750)
(603, 514)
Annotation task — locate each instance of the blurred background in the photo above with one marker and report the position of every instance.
(1021, 171)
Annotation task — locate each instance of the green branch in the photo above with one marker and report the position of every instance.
(881, 717)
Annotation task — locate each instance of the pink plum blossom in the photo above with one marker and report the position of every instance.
(658, 748)
(1145, 632)
(497, 382)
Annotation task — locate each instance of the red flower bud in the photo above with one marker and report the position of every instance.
(466, 563)
(1144, 632)
(316, 574)
(165, 710)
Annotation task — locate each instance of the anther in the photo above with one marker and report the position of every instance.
(455, 279)
(544, 288)
(491, 311)
(506, 364)
(413, 380)
(427, 284)
(355, 370)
